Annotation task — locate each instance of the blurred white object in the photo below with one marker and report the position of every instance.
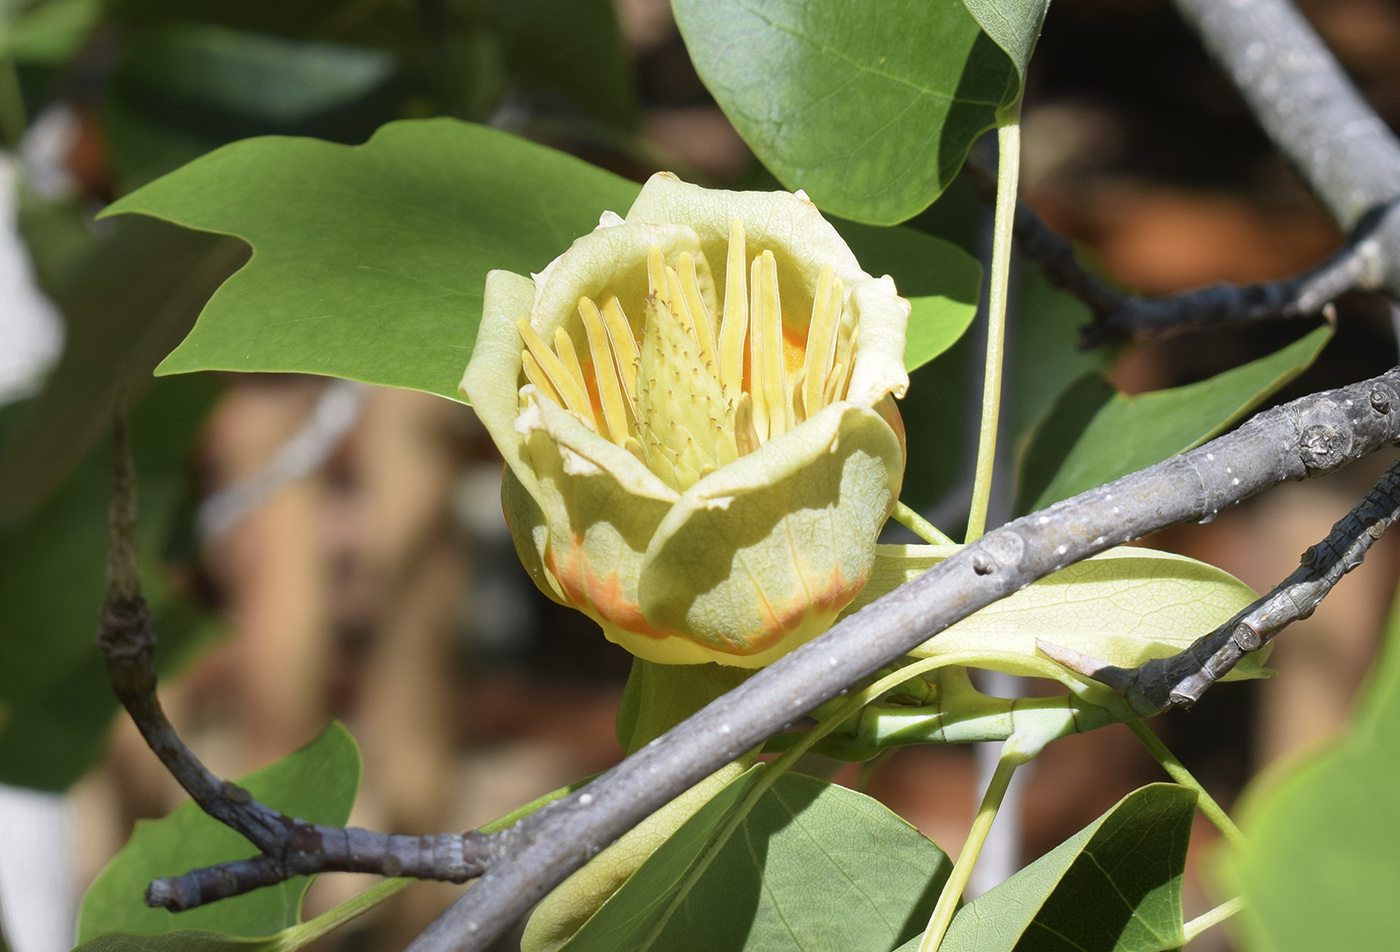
(31, 330)
(38, 902)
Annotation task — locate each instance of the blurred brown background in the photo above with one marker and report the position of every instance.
(383, 589)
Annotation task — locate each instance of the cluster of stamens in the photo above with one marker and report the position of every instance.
(690, 397)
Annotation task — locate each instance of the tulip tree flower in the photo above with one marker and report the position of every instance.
(695, 405)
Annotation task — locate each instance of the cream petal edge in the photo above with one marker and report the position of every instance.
(491, 381)
(781, 218)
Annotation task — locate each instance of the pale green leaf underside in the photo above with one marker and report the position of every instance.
(1122, 607)
(1014, 24)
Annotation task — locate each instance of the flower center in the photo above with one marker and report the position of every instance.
(694, 394)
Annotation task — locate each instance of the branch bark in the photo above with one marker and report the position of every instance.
(1308, 437)
(1310, 110)
(289, 846)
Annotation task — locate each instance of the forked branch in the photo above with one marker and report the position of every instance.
(1180, 680)
(289, 846)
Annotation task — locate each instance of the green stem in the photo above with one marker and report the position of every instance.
(1213, 918)
(1178, 772)
(920, 526)
(967, 858)
(1008, 171)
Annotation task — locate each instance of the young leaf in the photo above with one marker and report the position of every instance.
(317, 783)
(870, 107)
(1122, 606)
(1114, 886)
(1094, 434)
(877, 877)
(1319, 869)
(369, 261)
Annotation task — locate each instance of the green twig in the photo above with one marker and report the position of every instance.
(1012, 756)
(1178, 772)
(1008, 171)
(920, 526)
(1213, 918)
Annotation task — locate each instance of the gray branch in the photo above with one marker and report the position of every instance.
(1180, 680)
(1308, 437)
(1315, 117)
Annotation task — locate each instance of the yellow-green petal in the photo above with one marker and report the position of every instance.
(762, 555)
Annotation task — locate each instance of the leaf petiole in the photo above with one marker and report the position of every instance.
(1178, 772)
(1008, 172)
(920, 526)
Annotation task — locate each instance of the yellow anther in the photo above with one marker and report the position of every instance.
(574, 396)
(609, 389)
(734, 324)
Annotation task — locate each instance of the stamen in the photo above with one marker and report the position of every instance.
(744, 433)
(565, 385)
(536, 375)
(609, 391)
(624, 347)
(734, 324)
(757, 392)
(769, 324)
(564, 347)
(833, 384)
(700, 315)
(821, 337)
(799, 400)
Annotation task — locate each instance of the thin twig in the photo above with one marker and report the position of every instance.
(1180, 680)
(289, 846)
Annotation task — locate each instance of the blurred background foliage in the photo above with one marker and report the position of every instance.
(383, 589)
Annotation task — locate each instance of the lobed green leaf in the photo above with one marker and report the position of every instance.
(316, 783)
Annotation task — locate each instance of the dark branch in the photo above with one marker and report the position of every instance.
(1117, 313)
(1180, 680)
(289, 846)
(1305, 438)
